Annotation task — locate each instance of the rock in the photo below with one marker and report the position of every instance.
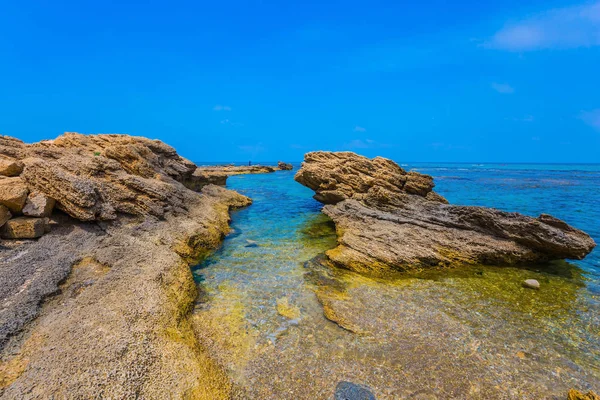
(38, 205)
(13, 193)
(9, 167)
(337, 176)
(531, 284)
(388, 219)
(230, 170)
(251, 243)
(96, 177)
(352, 391)
(119, 289)
(284, 166)
(24, 228)
(4, 215)
(577, 395)
(202, 177)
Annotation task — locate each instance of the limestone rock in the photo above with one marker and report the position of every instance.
(230, 170)
(38, 205)
(95, 177)
(4, 215)
(337, 176)
(13, 193)
(24, 228)
(284, 166)
(202, 177)
(10, 167)
(388, 219)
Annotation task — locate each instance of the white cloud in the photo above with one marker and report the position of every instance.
(219, 107)
(503, 88)
(592, 118)
(559, 28)
(359, 129)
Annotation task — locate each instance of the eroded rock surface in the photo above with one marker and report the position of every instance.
(387, 218)
(117, 262)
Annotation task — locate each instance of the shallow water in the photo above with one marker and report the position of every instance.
(466, 333)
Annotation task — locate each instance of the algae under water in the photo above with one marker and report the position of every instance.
(464, 333)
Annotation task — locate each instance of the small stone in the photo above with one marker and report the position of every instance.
(531, 284)
(4, 215)
(353, 391)
(13, 193)
(251, 243)
(38, 205)
(24, 228)
(9, 167)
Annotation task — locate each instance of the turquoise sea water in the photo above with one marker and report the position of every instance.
(492, 339)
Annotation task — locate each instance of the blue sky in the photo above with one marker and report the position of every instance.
(269, 80)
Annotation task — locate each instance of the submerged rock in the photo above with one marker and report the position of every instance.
(390, 219)
(577, 395)
(531, 284)
(352, 391)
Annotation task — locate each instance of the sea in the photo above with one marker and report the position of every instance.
(470, 332)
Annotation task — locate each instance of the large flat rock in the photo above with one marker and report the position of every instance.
(390, 219)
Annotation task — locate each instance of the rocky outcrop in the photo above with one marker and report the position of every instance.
(284, 166)
(390, 219)
(100, 305)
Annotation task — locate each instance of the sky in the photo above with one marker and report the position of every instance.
(474, 81)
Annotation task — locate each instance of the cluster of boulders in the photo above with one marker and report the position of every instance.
(23, 213)
(89, 177)
(391, 219)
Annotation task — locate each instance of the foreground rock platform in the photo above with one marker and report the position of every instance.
(99, 306)
(390, 219)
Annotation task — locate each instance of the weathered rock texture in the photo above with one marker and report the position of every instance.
(390, 219)
(118, 323)
(38, 205)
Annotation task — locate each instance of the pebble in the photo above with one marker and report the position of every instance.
(352, 391)
(251, 243)
(531, 284)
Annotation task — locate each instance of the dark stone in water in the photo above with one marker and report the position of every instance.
(353, 391)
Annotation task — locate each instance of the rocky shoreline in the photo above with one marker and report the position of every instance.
(388, 219)
(99, 232)
(111, 275)
(218, 174)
